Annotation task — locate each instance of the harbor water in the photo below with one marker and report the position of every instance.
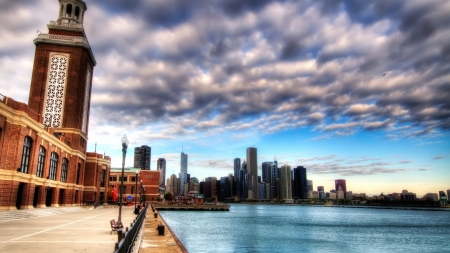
(284, 228)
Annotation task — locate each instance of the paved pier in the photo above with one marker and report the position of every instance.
(151, 241)
(70, 229)
(180, 207)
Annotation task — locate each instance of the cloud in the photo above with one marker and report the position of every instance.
(440, 157)
(209, 66)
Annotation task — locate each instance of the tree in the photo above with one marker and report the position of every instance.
(168, 196)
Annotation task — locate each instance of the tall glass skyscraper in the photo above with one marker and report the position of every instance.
(252, 168)
(300, 183)
(183, 171)
(237, 168)
(285, 182)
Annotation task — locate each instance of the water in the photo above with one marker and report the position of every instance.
(276, 228)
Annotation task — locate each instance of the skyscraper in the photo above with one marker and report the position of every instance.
(300, 183)
(252, 168)
(341, 183)
(183, 171)
(309, 185)
(142, 157)
(237, 167)
(320, 188)
(273, 180)
(266, 172)
(285, 182)
(161, 167)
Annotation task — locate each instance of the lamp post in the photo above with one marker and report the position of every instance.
(124, 152)
(136, 208)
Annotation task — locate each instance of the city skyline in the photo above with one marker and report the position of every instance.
(359, 91)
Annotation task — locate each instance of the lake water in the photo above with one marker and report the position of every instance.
(278, 228)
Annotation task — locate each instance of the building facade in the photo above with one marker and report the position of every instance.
(285, 182)
(340, 183)
(161, 167)
(43, 158)
(142, 157)
(252, 168)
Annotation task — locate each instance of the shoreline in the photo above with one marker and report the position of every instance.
(174, 236)
(419, 208)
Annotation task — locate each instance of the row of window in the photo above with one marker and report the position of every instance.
(125, 179)
(41, 159)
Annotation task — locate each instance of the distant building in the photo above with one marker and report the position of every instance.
(142, 157)
(285, 182)
(431, 197)
(340, 183)
(322, 195)
(266, 169)
(252, 163)
(408, 196)
(331, 195)
(161, 167)
(442, 197)
(320, 188)
(194, 185)
(273, 180)
(183, 171)
(348, 195)
(309, 185)
(224, 188)
(340, 193)
(237, 168)
(243, 191)
(313, 194)
(300, 183)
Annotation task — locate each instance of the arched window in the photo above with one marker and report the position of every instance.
(69, 10)
(26, 154)
(102, 179)
(53, 166)
(41, 160)
(77, 13)
(64, 169)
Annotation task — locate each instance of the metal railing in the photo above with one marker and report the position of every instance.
(128, 238)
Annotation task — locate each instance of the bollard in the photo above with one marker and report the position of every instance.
(156, 215)
(161, 229)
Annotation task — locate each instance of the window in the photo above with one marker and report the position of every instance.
(124, 189)
(132, 189)
(133, 179)
(65, 167)
(102, 179)
(41, 160)
(69, 11)
(125, 179)
(113, 178)
(53, 165)
(26, 155)
(77, 13)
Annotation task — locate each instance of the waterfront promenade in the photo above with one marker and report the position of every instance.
(76, 229)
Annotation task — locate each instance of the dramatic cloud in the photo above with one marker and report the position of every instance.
(340, 67)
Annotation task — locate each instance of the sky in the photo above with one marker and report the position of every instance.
(355, 90)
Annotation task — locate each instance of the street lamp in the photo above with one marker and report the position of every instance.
(136, 208)
(124, 152)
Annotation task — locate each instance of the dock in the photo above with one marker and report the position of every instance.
(183, 207)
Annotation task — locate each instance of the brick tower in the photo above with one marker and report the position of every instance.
(62, 74)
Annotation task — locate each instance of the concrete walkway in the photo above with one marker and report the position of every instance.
(76, 231)
(151, 241)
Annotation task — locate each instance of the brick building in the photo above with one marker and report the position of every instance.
(43, 158)
(146, 182)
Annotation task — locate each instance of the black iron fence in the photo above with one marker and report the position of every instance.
(127, 238)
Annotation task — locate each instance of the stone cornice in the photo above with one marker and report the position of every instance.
(65, 40)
